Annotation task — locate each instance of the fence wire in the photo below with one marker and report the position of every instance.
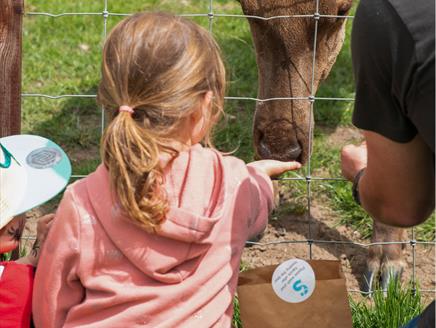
(312, 98)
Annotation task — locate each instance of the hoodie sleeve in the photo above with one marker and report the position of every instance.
(262, 201)
(57, 286)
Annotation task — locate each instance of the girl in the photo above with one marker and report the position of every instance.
(153, 238)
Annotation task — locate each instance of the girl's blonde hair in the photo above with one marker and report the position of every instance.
(162, 66)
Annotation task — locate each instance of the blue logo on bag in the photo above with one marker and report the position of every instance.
(298, 286)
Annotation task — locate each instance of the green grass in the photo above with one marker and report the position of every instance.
(5, 256)
(236, 322)
(392, 310)
(339, 84)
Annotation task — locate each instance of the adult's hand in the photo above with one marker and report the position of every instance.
(353, 159)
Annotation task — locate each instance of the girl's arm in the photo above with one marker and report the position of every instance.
(57, 285)
(261, 201)
(262, 193)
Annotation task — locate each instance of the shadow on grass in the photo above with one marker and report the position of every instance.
(73, 123)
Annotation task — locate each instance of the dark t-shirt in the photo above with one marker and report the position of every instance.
(393, 46)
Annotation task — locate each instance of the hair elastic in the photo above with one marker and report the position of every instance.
(125, 108)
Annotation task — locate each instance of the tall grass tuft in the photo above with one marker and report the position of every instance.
(236, 321)
(392, 308)
(5, 256)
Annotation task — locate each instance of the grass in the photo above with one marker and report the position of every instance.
(5, 256)
(392, 310)
(236, 322)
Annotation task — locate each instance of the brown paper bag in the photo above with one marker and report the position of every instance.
(327, 307)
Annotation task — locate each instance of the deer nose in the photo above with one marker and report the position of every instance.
(289, 152)
(294, 152)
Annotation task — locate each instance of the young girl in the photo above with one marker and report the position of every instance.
(153, 238)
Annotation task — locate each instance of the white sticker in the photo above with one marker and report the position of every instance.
(293, 281)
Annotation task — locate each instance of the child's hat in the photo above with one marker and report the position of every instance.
(33, 170)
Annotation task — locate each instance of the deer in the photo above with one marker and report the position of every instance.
(282, 129)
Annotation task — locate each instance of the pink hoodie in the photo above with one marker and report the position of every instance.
(99, 270)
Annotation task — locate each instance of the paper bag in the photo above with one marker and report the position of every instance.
(327, 307)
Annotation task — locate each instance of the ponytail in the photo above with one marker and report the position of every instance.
(131, 155)
(165, 83)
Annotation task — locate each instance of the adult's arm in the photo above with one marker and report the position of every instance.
(398, 186)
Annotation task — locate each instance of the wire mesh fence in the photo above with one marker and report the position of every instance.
(105, 15)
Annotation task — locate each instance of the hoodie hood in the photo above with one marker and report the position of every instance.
(194, 182)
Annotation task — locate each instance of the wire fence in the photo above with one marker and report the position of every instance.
(105, 14)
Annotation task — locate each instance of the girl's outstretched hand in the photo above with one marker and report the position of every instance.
(273, 168)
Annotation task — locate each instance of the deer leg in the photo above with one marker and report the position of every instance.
(373, 262)
(393, 263)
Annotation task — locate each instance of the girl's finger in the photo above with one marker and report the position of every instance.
(279, 167)
(294, 165)
(287, 166)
